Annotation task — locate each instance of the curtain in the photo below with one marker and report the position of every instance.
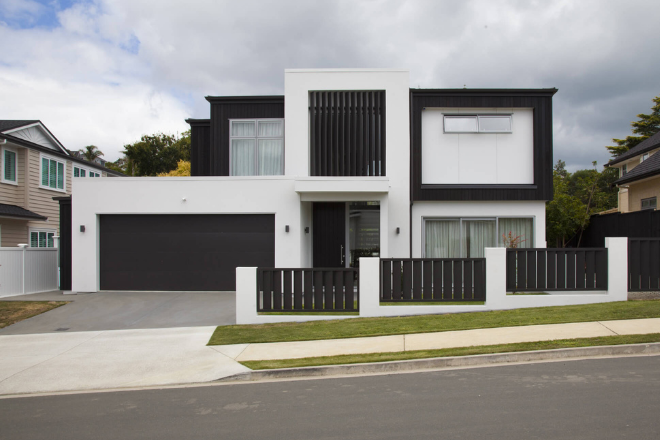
(442, 239)
(242, 129)
(478, 235)
(271, 157)
(270, 128)
(242, 157)
(523, 227)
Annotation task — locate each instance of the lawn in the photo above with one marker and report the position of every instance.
(12, 312)
(462, 351)
(361, 327)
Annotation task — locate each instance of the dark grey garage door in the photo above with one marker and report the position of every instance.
(182, 252)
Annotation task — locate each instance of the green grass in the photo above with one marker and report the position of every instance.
(12, 312)
(447, 352)
(434, 303)
(361, 327)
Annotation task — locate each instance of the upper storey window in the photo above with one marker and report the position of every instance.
(477, 123)
(256, 147)
(84, 172)
(8, 165)
(347, 133)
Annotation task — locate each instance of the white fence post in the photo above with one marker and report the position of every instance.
(23, 247)
(495, 278)
(617, 267)
(246, 295)
(369, 286)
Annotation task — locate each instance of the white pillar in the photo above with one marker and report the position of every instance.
(246, 295)
(617, 268)
(495, 278)
(369, 286)
(23, 247)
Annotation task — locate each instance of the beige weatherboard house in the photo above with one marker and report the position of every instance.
(35, 168)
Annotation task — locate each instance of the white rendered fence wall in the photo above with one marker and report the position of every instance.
(27, 270)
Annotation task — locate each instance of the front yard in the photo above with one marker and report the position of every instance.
(12, 312)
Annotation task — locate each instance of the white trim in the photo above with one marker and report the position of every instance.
(45, 132)
(43, 156)
(47, 231)
(2, 165)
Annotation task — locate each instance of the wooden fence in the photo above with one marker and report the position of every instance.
(643, 264)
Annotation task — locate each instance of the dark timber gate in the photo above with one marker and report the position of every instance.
(644, 264)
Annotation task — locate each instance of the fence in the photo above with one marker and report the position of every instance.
(431, 280)
(307, 290)
(643, 264)
(530, 270)
(630, 224)
(27, 270)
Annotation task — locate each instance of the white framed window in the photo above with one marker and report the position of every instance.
(9, 161)
(650, 203)
(43, 238)
(469, 236)
(498, 123)
(53, 173)
(624, 170)
(644, 157)
(79, 171)
(256, 147)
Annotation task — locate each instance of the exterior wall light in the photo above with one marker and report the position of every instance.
(398, 230)
(82, 228)
(286, 228)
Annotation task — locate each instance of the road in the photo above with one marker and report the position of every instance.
(587, 399)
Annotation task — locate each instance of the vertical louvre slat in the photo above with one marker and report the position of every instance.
(428, 280)
(297, 290)
(417, 280)
(407, 279)
(288, 290)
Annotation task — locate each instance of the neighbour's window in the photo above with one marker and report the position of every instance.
(42, 238)
(52, 173)
(83, 172)
(650, 203)
(624, 170)
(257, 147)
(8, 165)
(468, 237)
(644, 157)
(477, 123)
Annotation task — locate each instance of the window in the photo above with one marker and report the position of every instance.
(650, 203)
(257, 147)
(624, 170)
(84, 172)
(468, 237)
(477, 123)
(44, 238)
(644, 157)
(52, 173)
(9, 162)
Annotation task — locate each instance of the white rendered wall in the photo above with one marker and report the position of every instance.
(478, 158)
(535, 209)
(164, 195)
(396, 83)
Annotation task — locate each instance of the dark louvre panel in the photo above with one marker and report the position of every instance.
(347, 133)
(200, 146)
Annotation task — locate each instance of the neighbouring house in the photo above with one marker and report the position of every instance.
(347, 163)
(35, 167)
(639, 176)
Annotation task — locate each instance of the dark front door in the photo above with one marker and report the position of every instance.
(329, 229)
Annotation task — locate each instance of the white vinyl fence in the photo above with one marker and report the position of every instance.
(27, 270)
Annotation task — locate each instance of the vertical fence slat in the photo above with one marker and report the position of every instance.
(540, 269)
(297, 290)
(645, 269)
(570, 270)
(510, 270)
(386, 291)
(551, 271)
(428, 280)
(654, 260)
(480, 280)
(396, 279)
(633, 264)
(277, 289)
(417, 280)
(590, 263)
(468, 293)
(308, 279)
(267, 282)
(531, 270)
(458, 281)
(437, 280)
(340, 298)
(327, 286)
(579, 269)
(318, 290)
(521, 258)
(601, 269)
(349, 291)
(288, 289)
(407, 279)
(561, 270)
(447, 280)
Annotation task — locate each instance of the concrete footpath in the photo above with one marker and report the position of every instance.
(439, 340)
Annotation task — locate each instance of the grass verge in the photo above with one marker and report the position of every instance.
(12, 312)
(362, 327)
(447, 352)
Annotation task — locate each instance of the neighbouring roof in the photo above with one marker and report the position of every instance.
(644, 146)
(19, 213)
(11, 124)
(650, 167)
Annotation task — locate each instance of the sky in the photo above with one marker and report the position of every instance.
(106, 72)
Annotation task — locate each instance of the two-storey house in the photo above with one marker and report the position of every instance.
(347, 163)
(639, 176)
(35, 167)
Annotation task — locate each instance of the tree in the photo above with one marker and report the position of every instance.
(156, 154)
(647, 126)
(182, 169)
(90, 153)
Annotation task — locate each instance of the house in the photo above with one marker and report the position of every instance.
(639, 176)
(35, 167)
(347, 163)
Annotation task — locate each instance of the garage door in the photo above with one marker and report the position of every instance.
(182, 252)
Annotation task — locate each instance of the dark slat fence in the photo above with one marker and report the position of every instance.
(435, 280)
(307, 290)
(644, 264)
(537, 270)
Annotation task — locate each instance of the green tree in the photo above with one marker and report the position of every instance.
(647, 126)
(156, 154)
(90, 153)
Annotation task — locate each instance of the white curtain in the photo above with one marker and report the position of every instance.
(271, 157)
(442, 239)
(478, 235)
(243, 157)
(242, 129)
(270, 128)
(523, 227)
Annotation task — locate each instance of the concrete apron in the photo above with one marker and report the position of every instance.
(439, 340)
(110, 359)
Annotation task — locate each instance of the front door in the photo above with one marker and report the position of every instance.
(329, 229)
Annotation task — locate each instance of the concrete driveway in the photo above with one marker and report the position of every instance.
(127, 310)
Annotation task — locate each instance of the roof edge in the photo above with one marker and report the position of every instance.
(487, 92)
(255, 99)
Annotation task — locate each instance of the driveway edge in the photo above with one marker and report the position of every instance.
(648, 349)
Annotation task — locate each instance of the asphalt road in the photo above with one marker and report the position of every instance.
(589, 399)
